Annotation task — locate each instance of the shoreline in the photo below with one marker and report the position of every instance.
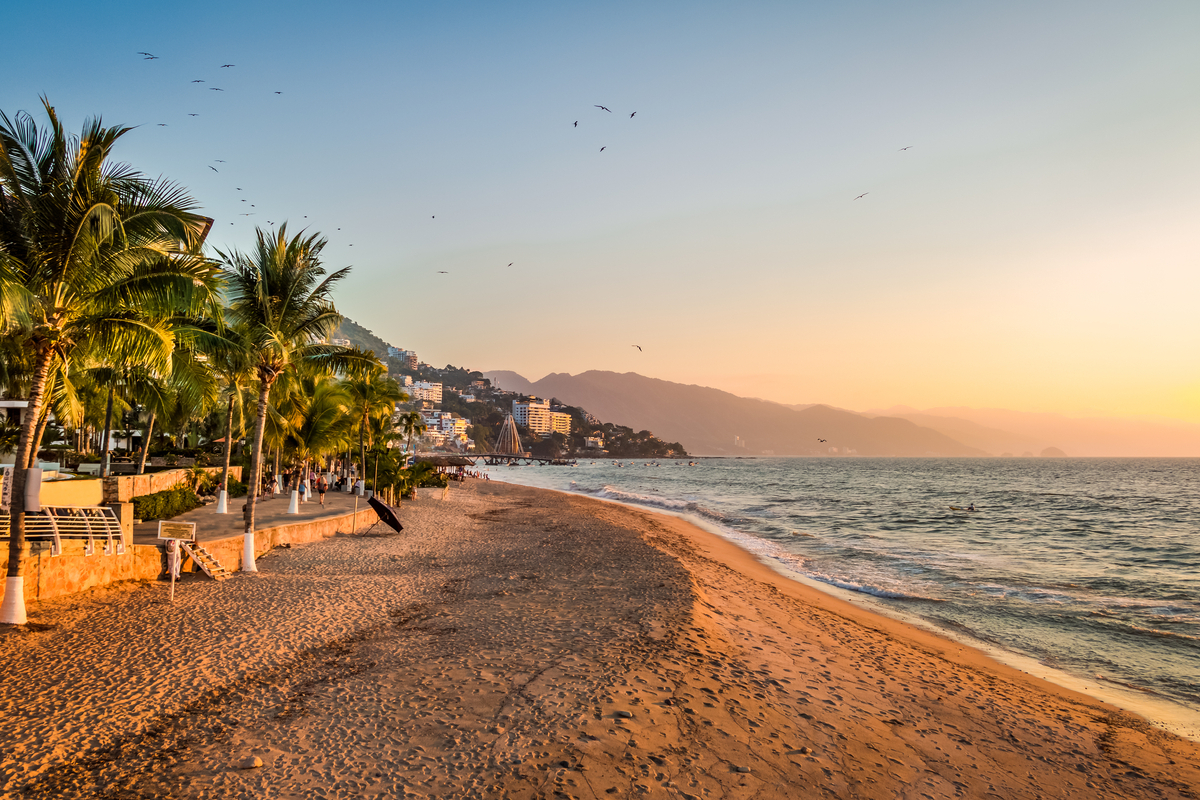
(1167, 715)
(525, 643)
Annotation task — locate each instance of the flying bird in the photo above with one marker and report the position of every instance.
(149, 58)
(279, 93)
(214, 169)
(148, 55)
(215, 89)
(193, 115)
(197, 81)
(219, 161)
(223, 66)
(820, 440)
(442, 272)
(576, 125)
(861, 196)
(639, 347)
(510, 263)
(603, 148)
(162, 124)
(631, 116)
(238, 188)
(904, 148)
(604, 109)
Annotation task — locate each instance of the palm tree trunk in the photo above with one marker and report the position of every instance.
(13, 610)
(362, 450)
(260, 425)
(146, 445)
(228, 445)
(104, 457)
(38, 435)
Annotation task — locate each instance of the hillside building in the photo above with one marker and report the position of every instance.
(534, 413)
(423, 390)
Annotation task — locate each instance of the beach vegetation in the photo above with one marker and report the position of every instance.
(96, 260)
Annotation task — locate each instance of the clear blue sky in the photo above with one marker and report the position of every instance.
(1037, 248)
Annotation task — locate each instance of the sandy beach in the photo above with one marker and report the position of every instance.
(522, 643)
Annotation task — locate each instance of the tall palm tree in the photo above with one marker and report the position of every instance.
(281, 301)
(90, 251)
(373, 395)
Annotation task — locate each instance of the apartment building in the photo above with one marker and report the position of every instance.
(423, 390)
(534, 413)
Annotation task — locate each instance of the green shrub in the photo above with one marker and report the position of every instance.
(164, 505)
(237, 488)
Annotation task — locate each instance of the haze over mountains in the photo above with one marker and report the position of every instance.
(713, 422)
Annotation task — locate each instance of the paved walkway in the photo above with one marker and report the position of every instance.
(269, 512)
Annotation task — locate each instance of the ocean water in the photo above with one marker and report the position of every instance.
(1087, 566)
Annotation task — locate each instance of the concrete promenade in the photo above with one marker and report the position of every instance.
(269, 512)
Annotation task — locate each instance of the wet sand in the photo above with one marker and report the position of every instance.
(521, 643)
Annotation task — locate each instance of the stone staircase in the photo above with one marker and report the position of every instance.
(205, 560)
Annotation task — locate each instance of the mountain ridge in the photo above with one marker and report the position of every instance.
(712, 421)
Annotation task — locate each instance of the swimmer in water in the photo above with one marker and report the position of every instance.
(971, 507)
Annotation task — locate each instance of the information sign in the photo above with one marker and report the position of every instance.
(183, 531)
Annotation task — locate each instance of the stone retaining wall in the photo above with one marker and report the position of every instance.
(123, 488)
(71, 572)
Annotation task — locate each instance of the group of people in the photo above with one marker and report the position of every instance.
(285, 482)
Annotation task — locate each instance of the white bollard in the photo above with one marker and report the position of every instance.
(248, 564)
(12, 612)
(278, 484)
(222, 501)
(294, 503)
(359, 487)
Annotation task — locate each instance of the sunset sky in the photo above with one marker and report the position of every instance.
(1037, 248)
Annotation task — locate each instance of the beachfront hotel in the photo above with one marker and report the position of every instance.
(534, 413)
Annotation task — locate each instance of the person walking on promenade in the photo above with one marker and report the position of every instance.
(322, 488)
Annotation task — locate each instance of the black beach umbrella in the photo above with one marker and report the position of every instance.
(387, 514)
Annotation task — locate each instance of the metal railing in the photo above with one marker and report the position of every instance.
(56, 523)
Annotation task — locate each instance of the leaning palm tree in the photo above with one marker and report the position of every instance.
(281, 301)
(90, 252)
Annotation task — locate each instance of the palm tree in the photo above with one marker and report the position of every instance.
(90, 252)
(281, 301)
(411, 425)
(373, 396)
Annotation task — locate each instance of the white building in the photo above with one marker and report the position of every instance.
(535, 414)
(594, 442)
(467, 398)
(423, 390)
(449, 426)
(340, 342)
(560, 423)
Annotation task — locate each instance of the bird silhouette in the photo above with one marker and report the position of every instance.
(214, 169)
(193, 115)
(602, 108)
(820, 440)
(243, 199)
(279, 93)
(861, 196)
(162, 124)
(197, 81)
(510, 263)
(223, 66)
(603, 148)
(215, 89)
(442, 272)
(576, 125)
(904, 148)
(238, 188)
(150, 55)
(219, 161)
(639, 347)
(634, 114)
